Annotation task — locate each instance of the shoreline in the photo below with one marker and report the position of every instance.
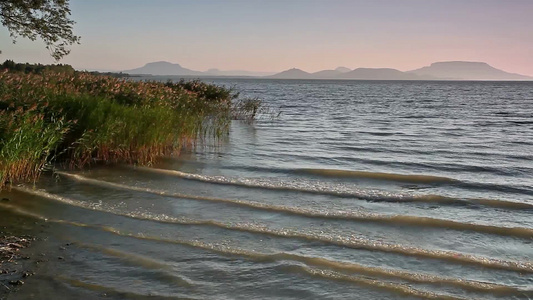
(18, 236)
(79, 118)
(12, 262)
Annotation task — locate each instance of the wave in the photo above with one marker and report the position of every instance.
(521, 122)
(111, 291)
(343, 266)
(340, 191)
(162, 268)
(337, 215)
(496, 187)
(398, 288)
(501, 204)
(377, 175)
(398, 274)
(428, 165)
(355, 242)
(375, 148)
(427, 179)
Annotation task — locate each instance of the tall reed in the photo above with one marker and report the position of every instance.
(82, 118)
(28, 139)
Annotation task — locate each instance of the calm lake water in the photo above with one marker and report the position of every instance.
(357, 190)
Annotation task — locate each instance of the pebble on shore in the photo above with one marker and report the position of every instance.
(11, 272)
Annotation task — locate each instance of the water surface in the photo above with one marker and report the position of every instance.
(357, 190)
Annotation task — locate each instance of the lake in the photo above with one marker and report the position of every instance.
(346, 190)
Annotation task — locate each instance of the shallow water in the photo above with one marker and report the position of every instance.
(357, 190)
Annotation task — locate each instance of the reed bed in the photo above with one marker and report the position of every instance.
(81, 118)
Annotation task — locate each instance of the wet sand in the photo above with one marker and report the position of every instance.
(17, 263)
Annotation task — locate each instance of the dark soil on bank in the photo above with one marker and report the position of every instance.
(17, 262)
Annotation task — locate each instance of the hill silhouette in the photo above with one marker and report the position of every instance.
(451, 70)
(342, 69)
(162, 68)
(360, 74)
(379, 74)
(466, 70)
(292, 74)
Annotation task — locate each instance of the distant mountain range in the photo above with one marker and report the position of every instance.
(452, 70)
(163, 68)
(360, 73)
(466, 70)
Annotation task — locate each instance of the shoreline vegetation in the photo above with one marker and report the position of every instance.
(53, 114)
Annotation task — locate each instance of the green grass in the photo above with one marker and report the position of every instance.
(80, 118)
(28, 139)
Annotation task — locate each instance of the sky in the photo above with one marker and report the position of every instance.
(276, 35)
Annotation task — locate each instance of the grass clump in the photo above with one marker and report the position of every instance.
(28, 139)
(82, 118)
(250, 109)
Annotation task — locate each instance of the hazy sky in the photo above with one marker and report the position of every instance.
(275, 35)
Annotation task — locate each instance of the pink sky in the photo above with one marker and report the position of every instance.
(276, 35)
